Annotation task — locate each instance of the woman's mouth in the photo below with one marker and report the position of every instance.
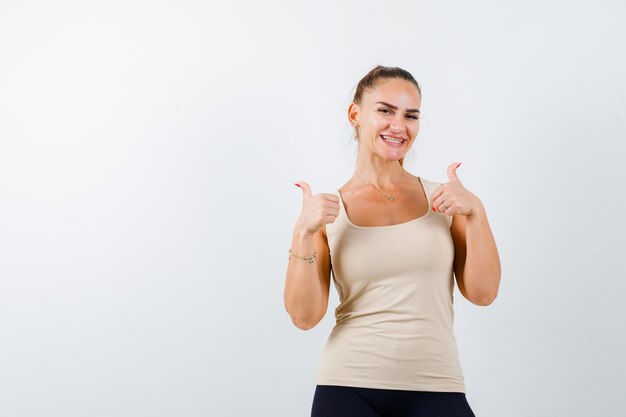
(391, 141)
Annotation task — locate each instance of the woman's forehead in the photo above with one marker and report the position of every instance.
(403, 94)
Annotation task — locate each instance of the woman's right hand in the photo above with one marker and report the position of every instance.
(317, 210)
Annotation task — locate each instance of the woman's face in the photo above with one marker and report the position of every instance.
(391, 109)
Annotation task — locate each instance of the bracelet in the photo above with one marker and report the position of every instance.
(306, 258)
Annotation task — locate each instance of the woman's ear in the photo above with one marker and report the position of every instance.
(353, 114)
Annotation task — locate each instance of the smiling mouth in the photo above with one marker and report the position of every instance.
(392, 140)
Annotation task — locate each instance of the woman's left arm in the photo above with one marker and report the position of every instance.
(476, 261)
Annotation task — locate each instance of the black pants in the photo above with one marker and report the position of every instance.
(341, 401)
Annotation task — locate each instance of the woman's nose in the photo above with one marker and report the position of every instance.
(396, 125)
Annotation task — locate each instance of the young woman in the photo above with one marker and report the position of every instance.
(393, 243)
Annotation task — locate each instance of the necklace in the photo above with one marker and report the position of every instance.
(387, 196)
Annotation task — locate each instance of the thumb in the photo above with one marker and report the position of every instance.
(452, 172)
(306, 190)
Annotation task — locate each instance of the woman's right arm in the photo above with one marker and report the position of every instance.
(307, 285)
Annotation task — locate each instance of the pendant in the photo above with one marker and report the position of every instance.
(390, 198)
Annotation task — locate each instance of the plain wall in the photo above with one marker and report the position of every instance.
(147, 155)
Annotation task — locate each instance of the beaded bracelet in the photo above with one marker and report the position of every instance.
(306, 258)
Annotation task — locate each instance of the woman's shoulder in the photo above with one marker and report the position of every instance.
(429, 182)
(424, 179)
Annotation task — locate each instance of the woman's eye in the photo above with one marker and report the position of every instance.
(411, 116)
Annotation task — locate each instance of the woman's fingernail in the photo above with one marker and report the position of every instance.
(296, 184)
(458, 165)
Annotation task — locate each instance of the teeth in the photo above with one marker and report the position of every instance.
(393, 139)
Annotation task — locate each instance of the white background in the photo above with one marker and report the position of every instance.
(147, 155)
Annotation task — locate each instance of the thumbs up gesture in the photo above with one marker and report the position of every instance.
(452, 197)
(317, 210)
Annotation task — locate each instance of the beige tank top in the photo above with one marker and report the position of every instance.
(394, 321)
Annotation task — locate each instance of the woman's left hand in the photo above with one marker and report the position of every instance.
(453, 198)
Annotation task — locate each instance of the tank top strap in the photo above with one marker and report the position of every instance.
(429, 187)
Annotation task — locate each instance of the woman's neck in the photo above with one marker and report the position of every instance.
(383, 176)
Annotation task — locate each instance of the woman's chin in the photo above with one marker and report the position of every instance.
(391, 151)
(391, 155)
